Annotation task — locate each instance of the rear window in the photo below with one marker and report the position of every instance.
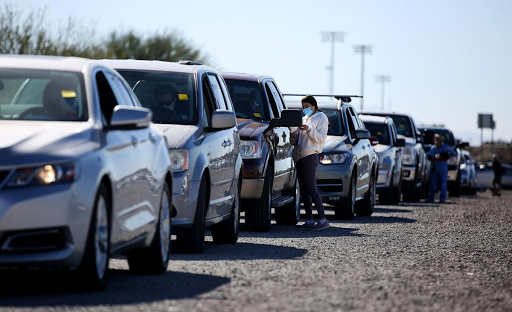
(380, 131)
(247, 99)
(171, 96)
(448, 136)
(42, 95)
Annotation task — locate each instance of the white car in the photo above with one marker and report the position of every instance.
(84, 175)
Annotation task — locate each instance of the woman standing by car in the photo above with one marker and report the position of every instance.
(309, 141)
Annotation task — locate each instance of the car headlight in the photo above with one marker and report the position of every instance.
(409, 156)
(250, 149)
(179, 160)
(463, 166)
(452, 160)
(332, 159)
(44, 175)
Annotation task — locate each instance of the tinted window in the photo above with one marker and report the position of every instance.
(335, 124)
(380, 131)
(171, 96)
(121, 94)
(217, 92)
(248, 99)
(448, 136)
(42, 95)
(272, 100)
(403, 125)
(351, 126)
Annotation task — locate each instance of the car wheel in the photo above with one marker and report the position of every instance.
(155, 258)
(289, 214)
(257, 212)
(386, 197)
(365, 206)
(94, 267)
(192, 239)
(227, 231)
(345, 209)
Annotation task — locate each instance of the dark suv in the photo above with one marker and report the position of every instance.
(269, 172)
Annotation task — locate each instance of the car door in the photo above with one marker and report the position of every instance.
(360, 151)
(222, 149)
(281, 141)
(397, 153)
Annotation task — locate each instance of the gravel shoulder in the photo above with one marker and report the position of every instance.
(412, 257)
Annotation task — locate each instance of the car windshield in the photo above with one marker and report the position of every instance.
(448, 136)
(42, 95)
(380, 131)
(171, 96)
(403, 125)
(335, 125)
(248, 99)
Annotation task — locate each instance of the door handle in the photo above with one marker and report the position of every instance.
(134, 140)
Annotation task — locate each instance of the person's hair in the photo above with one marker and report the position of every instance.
(311, 100)
(165, 89)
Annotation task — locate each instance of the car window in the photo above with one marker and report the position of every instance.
(217, 91)
(170, 95)
(42, 95)
(120, 92)
(403, 125)
(271, 98)
(248, 99)
(281, 100)
(208, 102)
(380, 131)
(355, 121)
(351, 126)
(335, 124)
(277, 96)
(225, 93)
(107, 98)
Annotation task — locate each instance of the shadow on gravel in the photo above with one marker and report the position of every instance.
(426, 205)
(53, 289)
(243, 251)
(390, 210)
(281, 231)
(373, 219)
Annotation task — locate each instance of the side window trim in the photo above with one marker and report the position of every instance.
(272, 101)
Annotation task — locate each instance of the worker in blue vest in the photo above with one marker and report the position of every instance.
(439, 155)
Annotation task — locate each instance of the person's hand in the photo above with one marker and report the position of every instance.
(303, 127)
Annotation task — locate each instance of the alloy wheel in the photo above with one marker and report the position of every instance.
(165, 227)
(101, 238)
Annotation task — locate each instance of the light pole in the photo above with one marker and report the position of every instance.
(383, 79)
(333, 37)
(363, 49)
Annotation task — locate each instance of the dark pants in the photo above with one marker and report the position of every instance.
(306, 173)
(438, 177)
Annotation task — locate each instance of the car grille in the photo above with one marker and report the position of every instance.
(3, 175)
(330, 185)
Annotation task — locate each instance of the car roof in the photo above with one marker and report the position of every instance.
(44, 62)
(383, 114)
(434, 128)
(244, 76)
(375, 119)
(155, 65)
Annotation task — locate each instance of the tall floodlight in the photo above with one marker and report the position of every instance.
(363, 49)
(382, 79)
(332, 37)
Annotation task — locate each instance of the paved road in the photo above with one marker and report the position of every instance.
(412, 257)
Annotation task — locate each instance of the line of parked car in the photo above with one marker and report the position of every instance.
(102, 157)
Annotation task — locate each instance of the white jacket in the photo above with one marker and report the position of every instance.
(311, 141)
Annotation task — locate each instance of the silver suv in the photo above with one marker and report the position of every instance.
(192, 106)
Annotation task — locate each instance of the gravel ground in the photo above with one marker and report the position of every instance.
(412, 257)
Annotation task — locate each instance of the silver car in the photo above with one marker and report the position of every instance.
(389, 151)
(191, 105)
(84, 175)
(468, 178)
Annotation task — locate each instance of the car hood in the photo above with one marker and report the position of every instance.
(381, 148)
(250, 129)
(39, 142)
(177, 135)
(335, 144)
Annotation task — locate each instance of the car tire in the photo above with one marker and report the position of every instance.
(155, 258)
(258, 212)
(364, 208)
(397, 192)
(93, 270)
(456, 188)
(227, 231)
(386, 197)
(192, 239)
(289, 214)
(345, 209)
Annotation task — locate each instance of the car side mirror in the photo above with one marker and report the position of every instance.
(223, 119)
(289, 118)
(463, 145)
(400, 142)
(374, 141)
(362, 134)
(126, 117)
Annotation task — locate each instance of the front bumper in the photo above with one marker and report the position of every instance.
(409, 173)
(383, 179)
(252, 188)
(333, 180)
(46, 225)
(184, 199)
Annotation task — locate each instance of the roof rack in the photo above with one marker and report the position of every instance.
(187, 62)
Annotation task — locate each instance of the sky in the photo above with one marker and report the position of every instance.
(448, 60)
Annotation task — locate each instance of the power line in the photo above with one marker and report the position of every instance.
(382, 79)
(333, 37)
(363, 49)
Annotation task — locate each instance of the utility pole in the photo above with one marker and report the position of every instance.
(333, 37)
(383, 79)
(363, 49)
